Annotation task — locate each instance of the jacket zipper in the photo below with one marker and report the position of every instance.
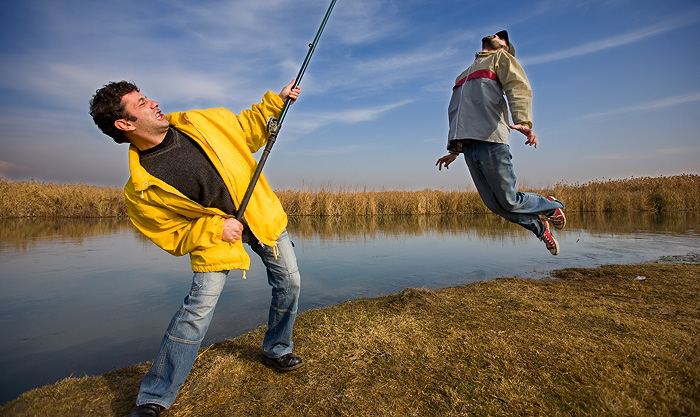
(228, 177)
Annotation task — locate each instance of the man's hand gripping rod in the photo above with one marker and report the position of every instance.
(274, 125)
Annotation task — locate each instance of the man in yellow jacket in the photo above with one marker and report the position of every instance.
(189, 171)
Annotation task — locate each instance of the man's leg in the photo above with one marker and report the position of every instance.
(491, 169)
(285, 280)
(182, 340)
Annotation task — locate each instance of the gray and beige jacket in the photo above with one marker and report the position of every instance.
(478, 108)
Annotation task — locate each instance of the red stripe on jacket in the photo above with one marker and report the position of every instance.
(485, 73)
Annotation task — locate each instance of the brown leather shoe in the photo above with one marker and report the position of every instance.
(288, 362)
(146, 410)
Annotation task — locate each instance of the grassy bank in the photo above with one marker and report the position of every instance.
(594, 342)
(677, 193)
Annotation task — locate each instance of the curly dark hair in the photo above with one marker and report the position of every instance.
(106, 107)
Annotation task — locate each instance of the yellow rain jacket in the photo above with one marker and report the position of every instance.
(181, 226)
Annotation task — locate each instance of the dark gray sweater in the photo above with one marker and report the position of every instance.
(182, 163)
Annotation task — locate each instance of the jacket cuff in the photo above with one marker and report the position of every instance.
(274, 99)
(454, 147)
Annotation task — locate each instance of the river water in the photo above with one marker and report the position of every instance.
(84, 297)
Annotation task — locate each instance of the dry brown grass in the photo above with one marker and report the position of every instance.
(594, 342)
(676, 193)
(344, 202)
(41, 199)
(660, 194)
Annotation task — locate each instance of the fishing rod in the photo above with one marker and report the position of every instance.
(274, 125)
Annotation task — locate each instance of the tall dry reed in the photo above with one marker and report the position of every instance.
(42, 199)
(348, 202)
(676, 193)
(658, 194)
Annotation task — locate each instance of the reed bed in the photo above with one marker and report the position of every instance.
(656, 194)
(42, 199)
(674, 193)
(348, 202)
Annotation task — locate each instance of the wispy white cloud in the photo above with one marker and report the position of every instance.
(360, 22)
(409, 62)
(309, 123)
(242, 26)
(327, 151)
(10, 170)
(616, 41)
(644, 107)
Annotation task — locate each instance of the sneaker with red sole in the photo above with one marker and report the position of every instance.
(549, 241)
(557, 219)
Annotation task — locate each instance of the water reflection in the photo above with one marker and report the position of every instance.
(91, 295)
(486, 225)
(23, 232)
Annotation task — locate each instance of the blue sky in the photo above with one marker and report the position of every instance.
(616, 86)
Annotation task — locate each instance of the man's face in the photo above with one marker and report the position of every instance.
(149, 118)
(493, 43)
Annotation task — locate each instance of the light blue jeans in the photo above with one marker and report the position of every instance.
(184, 335)
(491, 167)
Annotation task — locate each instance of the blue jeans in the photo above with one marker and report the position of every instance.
(491, 168)
(184, 335)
